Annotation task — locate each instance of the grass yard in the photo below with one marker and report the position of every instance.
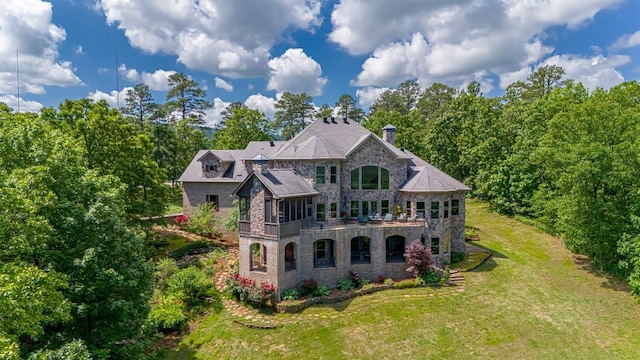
(531, 300)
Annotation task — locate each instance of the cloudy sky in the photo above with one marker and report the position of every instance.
(251, 51)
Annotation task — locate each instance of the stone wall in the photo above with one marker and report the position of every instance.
(194, 194)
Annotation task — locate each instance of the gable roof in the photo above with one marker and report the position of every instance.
(281, 183)
(429, 178)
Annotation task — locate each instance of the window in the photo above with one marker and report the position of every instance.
(258, 257)
(395, 249)
(384, 207)
(213, 167)
(333, 214)
(244, 206)
(213, 199)
(355, 209)
(455, 207)
(408, 208)
(320, 212)
(446, 209)
(323, 254)
(320, 175)
(289, 257)
(309, 205)
(435, 245)
(420, 209)
(435, 209)
(355, 179)
(369, 178)
(360, 250)
(333, 175)
(267, 211)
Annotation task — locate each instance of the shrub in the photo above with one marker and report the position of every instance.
(355, 278)
(164, 271)
(190, 285)
(418, 257)
(457, 256)
(364, 282)
(169, 316)
(195, 247)
(381, 279)
(322, 290)
(202, 221)
(428, 277)
(345, 284)
(182, 221)
(388, 281)
(407, 284)
(367, 286)
(309, 286)
(291, 294)
(246, 290)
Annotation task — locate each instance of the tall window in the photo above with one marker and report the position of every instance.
(320, 175)
(395, 248)
(369, 178)
(213, 199)
(320, 212)
(323, 253)
(333, 214)
(435, 245)
(455, 207)
(355, 210)
(435, 209)
(290, 257)
(361, 250)
(420, 209)
(446, 209)
(333, 174)
(258, 257)
(408, 208)
(244, 206)
(384, 207)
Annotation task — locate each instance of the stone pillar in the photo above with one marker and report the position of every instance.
(389, 134)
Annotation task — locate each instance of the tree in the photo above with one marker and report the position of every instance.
(401, 100)
(139, 106)
(418, 258)
(186, 98)
(239, 126)
(434, 100)
(544, 80)
(202, 221)
(347, 108)
(324, 111)
(292, 113)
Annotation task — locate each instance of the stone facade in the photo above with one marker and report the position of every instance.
(194, 194)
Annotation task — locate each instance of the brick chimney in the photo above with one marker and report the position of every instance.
(389, 134)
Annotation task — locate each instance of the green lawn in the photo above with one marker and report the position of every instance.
(531, 300)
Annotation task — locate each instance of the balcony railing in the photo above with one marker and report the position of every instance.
(244, 227)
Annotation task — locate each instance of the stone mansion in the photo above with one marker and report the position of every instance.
(336, 197)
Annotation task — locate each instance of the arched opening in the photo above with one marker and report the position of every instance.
(323, 255)
(361, 250)
(395, 249)
(290, 257)
(258, 257)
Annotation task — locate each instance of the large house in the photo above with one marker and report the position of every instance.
(336, 197)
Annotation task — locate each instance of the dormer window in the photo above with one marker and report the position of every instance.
(213, 168)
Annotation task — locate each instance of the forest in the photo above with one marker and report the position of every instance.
(77, 182)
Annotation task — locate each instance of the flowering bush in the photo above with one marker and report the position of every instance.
(246, 290)
(182, 221)
(419, 258)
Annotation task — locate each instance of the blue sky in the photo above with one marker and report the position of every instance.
(251, 51)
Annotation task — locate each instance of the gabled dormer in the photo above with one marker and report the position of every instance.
(215, 165)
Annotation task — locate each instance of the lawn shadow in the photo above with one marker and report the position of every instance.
(488, 263)
(609, 281)
(339, 307)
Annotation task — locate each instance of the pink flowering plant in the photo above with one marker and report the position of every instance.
(246, 290)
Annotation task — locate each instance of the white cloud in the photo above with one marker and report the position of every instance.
(157, 81)
(25, 105)
(627, 41)
(214, 115)
(592, 72)
(79, 49)
(295, 72)
(452, 42)
(265, 105)
(26, 26)
(114, 98)
(367, 96)
(221, 84)
(195, 30)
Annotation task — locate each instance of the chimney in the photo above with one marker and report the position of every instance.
(260, 163)
(389, 134)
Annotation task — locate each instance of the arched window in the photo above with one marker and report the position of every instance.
(369, 177)
(395, 249)
(323, 255)
(361, 250)
(290, 257)
(258, 257)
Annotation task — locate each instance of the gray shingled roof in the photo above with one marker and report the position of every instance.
(284, 183)
(428, 178)
(329, 140)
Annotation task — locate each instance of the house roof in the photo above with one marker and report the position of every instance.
(282, 183)
(428, 178)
